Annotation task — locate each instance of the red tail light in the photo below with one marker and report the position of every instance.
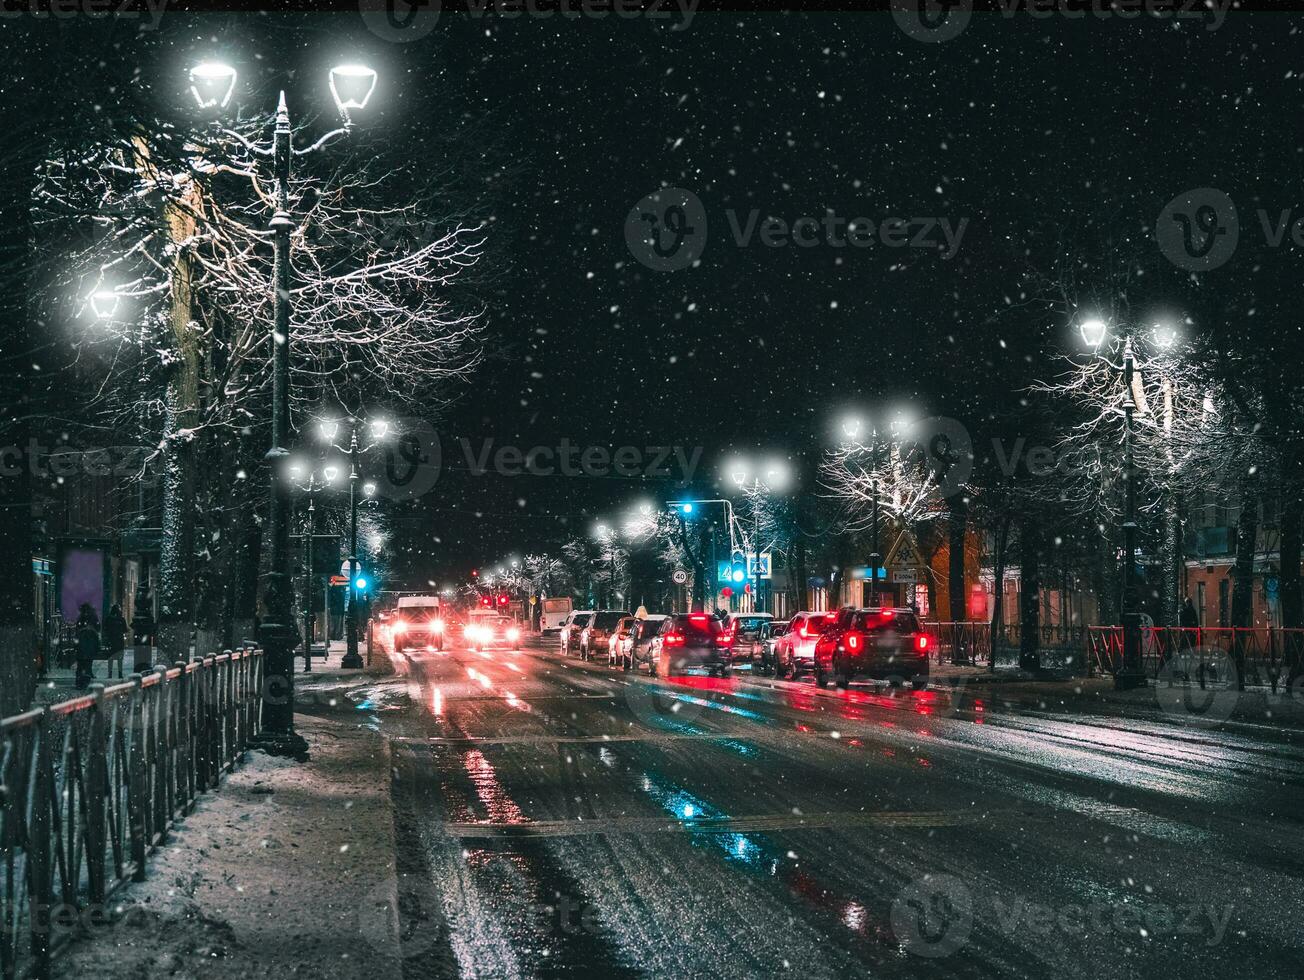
(724, 640)
(921, 641)
(674, 639)
(853, 642)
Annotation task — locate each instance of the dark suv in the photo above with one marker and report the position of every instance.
(888, 644)
(692, 640)
(595, 635)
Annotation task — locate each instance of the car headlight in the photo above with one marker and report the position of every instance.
(513, 634)
(437, 625)
(400, 626)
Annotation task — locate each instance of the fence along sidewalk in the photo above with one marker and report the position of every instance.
(88, 786)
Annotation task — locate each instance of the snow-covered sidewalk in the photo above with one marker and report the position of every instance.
(286, 871)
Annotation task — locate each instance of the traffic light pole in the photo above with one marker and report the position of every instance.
(351, 656)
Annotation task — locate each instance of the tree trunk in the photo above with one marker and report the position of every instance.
(1247, 533)
(1170, 550)
(1029, 594)
(176, 561)
(955, 591)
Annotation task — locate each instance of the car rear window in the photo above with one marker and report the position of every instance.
(608, 620)
(750, 623)
(878, 622)
(582, 619)
(700, 625)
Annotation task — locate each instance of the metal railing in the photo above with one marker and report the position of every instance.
(971, 642)
(88, 786)
(1260, 655)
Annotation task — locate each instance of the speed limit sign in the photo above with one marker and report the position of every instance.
(680, 576)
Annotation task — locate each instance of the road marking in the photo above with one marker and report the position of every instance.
(762, 823)
(472, 740)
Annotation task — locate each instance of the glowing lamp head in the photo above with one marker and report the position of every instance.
(351, 86)
(329, 473)
(1094, 332)
(379, 428)
(852, 426)
(104, 302)
(1165, 335)
(328, 429)
(369, 489)
(212, 84)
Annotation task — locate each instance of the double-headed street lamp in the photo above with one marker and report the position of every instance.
(853, 428)
(311, 482)
(1095, 332)
(212, 84)
(329, 430)
(758, 482)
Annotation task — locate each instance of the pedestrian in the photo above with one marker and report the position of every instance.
(115, 638)
(88, 645)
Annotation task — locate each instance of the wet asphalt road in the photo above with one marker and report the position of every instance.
(559, 819)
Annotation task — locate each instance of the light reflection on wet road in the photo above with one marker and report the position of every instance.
(564, 819)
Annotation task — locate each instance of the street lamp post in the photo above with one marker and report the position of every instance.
(312, 486)
(851, 428)
(1131, 673)
(352, 658)
(212, 85)
(757, 483)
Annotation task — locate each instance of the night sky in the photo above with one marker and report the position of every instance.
(1024, 128)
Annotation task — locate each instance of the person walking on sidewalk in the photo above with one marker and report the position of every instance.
(115, 638)
(88, 645)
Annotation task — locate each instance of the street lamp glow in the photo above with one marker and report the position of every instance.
(369, 489)
(1165, 335)
(851, 426)
(329, 473)
(1093, 332)
(351, 86)
(776, 474)
(105, 303)
(212, 84)
(738, 474)
(379, 428)
(328, 429)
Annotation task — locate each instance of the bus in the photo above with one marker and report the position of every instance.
(555, 610)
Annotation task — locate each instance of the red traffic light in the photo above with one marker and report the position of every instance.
(502, 600)
(475, 573)
(484, 600)
(726, 592)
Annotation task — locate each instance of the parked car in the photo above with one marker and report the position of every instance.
(691, 640)
(770, 634)
(884, 643)
(616, 641)
(571, 627)
(594, 636)
(795, 649)
(637, 648)
(746, 629)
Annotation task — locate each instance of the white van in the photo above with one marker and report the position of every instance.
(555, 611)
